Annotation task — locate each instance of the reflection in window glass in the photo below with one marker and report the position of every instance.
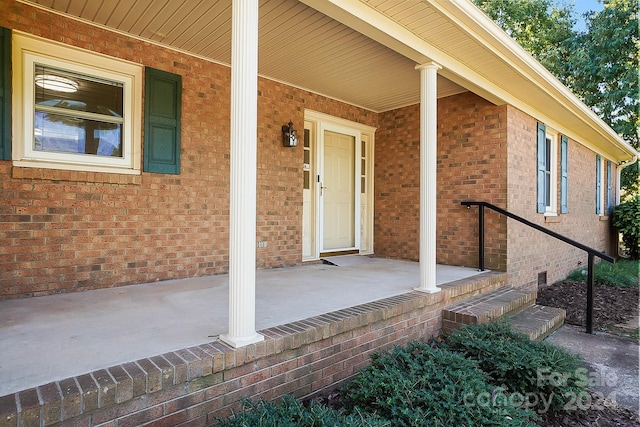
(77, 114)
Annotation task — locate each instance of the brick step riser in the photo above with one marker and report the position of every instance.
(538, 321)
(482, 308)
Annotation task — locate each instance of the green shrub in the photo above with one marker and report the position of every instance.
(626, 218)
(422, 386)
(545, 374)
(290, 412)
(624, 273)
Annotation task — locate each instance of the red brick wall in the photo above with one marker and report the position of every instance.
(531, 252)
(65, 230)
(397, 184)
(471, 166)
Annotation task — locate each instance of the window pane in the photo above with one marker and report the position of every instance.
(548, 157)
(62, 89)
(307, 181)
(306, 138)
(547, 194)
(61, 122)
(66, 134)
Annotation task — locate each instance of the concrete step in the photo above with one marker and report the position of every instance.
(482, 308)
(538, 321)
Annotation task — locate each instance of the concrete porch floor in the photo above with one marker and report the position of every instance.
(54, 337)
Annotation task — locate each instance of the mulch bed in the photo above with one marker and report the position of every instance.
(605, 416)
(611, 305)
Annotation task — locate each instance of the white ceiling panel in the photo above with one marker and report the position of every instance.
(297, 44)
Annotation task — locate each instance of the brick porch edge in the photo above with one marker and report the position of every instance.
(195, 385)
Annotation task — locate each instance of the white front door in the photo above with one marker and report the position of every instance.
(337, 192)
(337, 212)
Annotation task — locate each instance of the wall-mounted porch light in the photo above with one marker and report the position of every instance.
(289, 135)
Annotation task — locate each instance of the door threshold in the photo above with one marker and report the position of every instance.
(338, 253)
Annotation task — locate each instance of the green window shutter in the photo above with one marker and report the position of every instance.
(564, 174)
(162, 110)
(598, 185)
(542, 156)
(5, 94)
(608, 204)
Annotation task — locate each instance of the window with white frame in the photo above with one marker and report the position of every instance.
(547, 171)
(74, 109)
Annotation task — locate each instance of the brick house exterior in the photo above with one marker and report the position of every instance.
(67, 229)
(72, 230)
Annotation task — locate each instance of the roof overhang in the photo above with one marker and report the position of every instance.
(507, 75)
(364, 52)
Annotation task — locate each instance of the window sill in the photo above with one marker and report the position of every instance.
(552, 219)
(604, 217)
(75, 176)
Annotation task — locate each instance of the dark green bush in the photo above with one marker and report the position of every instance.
(626, 218)
(546, 375)
(623, 273)
(422, 386)
(290, 412)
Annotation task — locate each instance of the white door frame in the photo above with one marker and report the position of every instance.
(324, 122)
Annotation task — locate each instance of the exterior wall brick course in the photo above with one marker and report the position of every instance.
(30, 409)
(167, 370)
(51, 402)
(106, 388)
(108, 414)
(153, 375)
(196, 422)
(71, 398)
(195, 368)
(180, 367)
(141, 417)
(89, 391)
(137, 376)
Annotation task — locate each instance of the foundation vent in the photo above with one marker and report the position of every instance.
(542, 279)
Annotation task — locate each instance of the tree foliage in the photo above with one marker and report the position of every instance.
(604, 73)
(626, 217)
(600, 64)
(604, 66)
(544, 29)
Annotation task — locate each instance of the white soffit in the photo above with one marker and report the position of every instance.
(298, 45)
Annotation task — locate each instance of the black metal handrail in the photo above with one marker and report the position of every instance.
(590, 251)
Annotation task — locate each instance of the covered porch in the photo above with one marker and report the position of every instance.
(52, 338)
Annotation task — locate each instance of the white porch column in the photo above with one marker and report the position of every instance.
(428, 165)
(242, 210)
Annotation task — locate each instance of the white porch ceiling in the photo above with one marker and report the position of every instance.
(297, 45)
